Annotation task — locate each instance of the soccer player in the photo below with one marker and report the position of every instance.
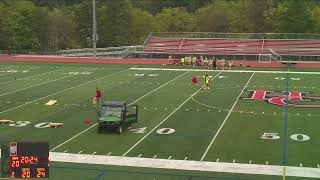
(194, 80)
(206, 82)
(98, 96)
(182, 61)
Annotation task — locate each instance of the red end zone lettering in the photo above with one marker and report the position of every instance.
(257, 94)
(280, 99)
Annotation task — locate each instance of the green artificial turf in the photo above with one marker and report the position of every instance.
(171, 124)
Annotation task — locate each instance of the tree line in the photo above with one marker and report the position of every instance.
(64, 24)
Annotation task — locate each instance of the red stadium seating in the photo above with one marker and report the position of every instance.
(232, 46)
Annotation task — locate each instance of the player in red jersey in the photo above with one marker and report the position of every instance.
(98, 96)
(194, 80)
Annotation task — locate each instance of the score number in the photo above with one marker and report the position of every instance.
(25, 173)
(41, 172)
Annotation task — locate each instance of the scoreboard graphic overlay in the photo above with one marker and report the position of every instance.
(25, 160)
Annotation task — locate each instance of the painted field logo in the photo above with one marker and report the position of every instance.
(296, 98)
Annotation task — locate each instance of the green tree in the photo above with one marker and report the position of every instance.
(56, 3)
(250, 16)
(82, 17)
(40, 27)
(274, 15)
(214, 17)
(315, 19)
(297, 18)
(175, 20)
(4, 40)
(61, 30)
(142, 24)
(157, 6)
(18, 24)
(115, 22)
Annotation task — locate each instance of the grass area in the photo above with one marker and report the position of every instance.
(177, 120)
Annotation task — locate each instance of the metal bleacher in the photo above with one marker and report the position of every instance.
(239, 45)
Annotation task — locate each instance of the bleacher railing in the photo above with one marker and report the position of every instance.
(123, 51)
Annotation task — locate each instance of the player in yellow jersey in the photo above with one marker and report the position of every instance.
(206, 81)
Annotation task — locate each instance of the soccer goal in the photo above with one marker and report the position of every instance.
(265, 58)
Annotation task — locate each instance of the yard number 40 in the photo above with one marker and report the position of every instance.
(295, 137)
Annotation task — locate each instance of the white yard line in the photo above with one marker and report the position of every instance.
(32, 76)
(29, 102)
(128, 104)
(217, 133)
(144, 137)
(241, 71)
(203, 166)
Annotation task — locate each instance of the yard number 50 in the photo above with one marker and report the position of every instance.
(295, 137)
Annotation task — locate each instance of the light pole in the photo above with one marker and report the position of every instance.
(94, 29)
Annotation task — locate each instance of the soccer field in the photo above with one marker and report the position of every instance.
(243, 120)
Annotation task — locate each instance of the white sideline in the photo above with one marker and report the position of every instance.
(217, 133)
(165, 119)
(185, 165)
(240, 71)
(128, 104)
(63, 91)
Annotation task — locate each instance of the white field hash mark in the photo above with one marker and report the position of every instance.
(29, 102)
(128, 105)
(144, 137)
(32, 76)
(46, 82)
(18, 71)
(217, 133)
